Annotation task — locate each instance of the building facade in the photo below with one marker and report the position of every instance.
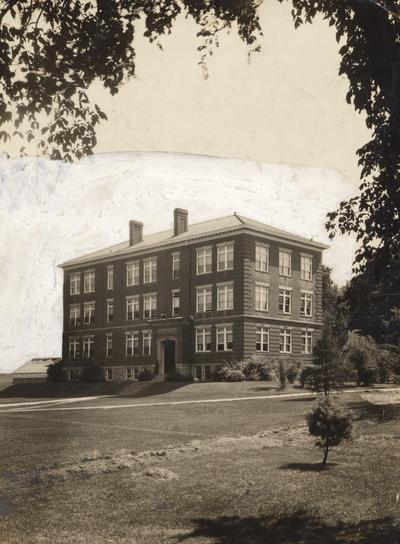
(190, 298)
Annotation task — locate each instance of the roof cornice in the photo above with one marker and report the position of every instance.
(170, 244)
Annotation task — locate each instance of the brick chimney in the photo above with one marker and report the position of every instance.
(180, 221)
(135, 232)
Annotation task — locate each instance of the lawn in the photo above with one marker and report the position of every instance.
(232, 472)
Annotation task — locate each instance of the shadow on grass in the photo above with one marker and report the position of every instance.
(67, 390)
(375, 412)
(296, 528)
(308, 467)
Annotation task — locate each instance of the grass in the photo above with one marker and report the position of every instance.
(243, 472)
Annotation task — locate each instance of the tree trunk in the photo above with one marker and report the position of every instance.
(326, 451)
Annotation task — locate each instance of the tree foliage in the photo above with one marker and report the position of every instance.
(329, 368)
(363, 355)
(51, 51)
(55, 372)
(373, 301)
(331, 424)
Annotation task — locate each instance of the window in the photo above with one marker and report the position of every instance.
(285, 341)
(132, 307)
(110, 277)
(261, 297)
(224, 338)
(109, 344)
(110, 310)
(176, 302)
(306, 304)
(74, 314)
(262, 340)
(129, 374)
(203, 299)
(132, 343)
(132, 273)
(109, 374)
(307, 343)
(204, 260)
(149, 306)
(74, 348)
(306, 267)
(75, 283)
(203, 339)
(147, 342)
(88, 281)
(88, 313)
(285, 263)
(225, 256)
(88, 346)
(176, 265)
(285, 301)
(225, 296)
(262, 258)
(150, 270)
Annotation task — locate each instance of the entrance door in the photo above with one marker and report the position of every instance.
(169, 356)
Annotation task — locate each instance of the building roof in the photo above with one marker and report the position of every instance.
(36, 366)
(196, 231)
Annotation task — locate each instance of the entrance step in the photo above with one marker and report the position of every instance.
(158, 378)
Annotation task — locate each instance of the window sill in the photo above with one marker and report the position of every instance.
(285, 275)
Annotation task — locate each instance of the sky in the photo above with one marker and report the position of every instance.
(272, 138)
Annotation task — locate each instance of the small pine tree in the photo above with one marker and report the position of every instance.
(329, 372)
(331, 424)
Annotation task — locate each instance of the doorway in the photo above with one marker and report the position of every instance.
(169, 356)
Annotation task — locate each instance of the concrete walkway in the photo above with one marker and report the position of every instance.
(20, 407)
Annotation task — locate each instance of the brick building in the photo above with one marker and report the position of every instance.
(189, 298)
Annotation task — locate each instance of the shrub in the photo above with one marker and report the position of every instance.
(282, 375)
(91, 374)
(145, 375)
(363, 355)
(176, 376)
(331, 424)
(231, 372)
(292, 371)
(55, 372)
(306, 377)
(255, 369)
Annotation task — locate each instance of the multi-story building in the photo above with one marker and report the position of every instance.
(189, 298)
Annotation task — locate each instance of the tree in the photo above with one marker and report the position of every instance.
(282, 374)
(362, 354)
(62, 46)
(329, 371)
(331, 424)
(55, 372)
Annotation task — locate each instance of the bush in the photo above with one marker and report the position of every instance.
(306, 377)
(282, 375)
(91, 374)
(231, 372)
(362, 353)
(55, 372)
(292, 371)
(176, 376)
(255, 369)
(145, 375)
(331, 424)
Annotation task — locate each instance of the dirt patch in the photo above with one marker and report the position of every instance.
(160, 474)
(380, 398)
(147, 463)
